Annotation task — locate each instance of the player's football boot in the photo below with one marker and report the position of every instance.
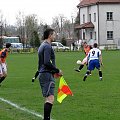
(84, 78)
(77, 70)
(100, 78)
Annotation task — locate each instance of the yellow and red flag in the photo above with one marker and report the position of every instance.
(63, 90)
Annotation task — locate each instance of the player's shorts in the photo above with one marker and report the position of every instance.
(93, 64)
(47, 84)
(3, 68)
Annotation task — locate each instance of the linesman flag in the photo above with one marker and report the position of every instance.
(63, 90)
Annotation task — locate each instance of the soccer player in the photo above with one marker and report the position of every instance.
(47, 69)
(3, 65)
(86, 51)
(94, 61)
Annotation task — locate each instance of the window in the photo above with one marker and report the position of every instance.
(83, 35)
(60, 45)
(95, 35)
(83, 18)
(110, 35)
(91, 35)
(94, 17)
(90, 17)
(109, 15)
(53, 44)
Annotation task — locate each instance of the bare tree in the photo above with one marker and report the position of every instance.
(21, 27)
(56, 26)
(1, 29)
(63, 27)
(31, 26)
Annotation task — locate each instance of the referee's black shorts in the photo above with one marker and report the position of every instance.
(47, 84)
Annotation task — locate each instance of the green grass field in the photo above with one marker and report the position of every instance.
(92, 100)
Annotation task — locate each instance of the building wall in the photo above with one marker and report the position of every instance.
(86, 11)
(109, 25)
(92, 10)
(101, 26)
(83, 11)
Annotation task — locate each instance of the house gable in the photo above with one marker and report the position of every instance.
(84, 3)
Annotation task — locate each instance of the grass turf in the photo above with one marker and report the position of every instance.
(92, 100)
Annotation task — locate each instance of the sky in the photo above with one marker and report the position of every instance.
(44, 9)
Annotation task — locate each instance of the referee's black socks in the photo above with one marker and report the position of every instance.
(47, 110)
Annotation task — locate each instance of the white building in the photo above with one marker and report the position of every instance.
(100, 21)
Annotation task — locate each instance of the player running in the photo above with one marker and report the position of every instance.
(86, 50)
(3, 65)
(94, 60)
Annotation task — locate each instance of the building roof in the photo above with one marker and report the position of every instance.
(85, 25)
(91, 2)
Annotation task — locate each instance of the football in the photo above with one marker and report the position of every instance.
(78, 62)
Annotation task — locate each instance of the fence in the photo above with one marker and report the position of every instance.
(25, 50)
(110, 47)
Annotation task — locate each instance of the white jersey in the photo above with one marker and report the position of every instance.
(3, 68)
(94, 54)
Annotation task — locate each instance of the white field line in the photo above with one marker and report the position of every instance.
(20, 108)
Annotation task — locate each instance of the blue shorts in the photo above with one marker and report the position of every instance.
(47, 84)
(94, 64)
